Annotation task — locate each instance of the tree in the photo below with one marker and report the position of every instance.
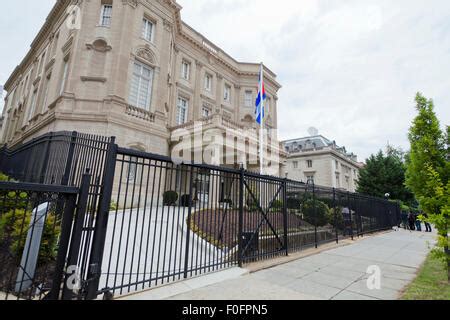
(428, 171)
(385, 174)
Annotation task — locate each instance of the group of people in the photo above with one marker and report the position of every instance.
(414, 223)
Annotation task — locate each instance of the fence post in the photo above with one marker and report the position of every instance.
(2, 156)
(350, 215)
(285, 216)
(46, 156)
(69, 162)
(77, 230)
(101, 224)
(241, 216)
(66, 226)
(188, 231)
(335, 216)
(315, 215)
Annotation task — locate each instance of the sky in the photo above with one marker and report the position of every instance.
(350, 68)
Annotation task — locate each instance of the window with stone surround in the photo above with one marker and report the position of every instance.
(148, 29)
(106, 14)
(227, 93)
(33, 104)
(141, 86)
(248, 99)
(185, 70)
(208, 82)
(182, 110)
(64, 76)
(206, 111)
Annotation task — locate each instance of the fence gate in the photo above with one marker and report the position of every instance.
(263, 218)
(36, 232)
(159, 226)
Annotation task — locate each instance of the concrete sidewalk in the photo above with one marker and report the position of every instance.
(337, 274)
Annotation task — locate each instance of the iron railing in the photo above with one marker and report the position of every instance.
(150, 221)
(35, 231)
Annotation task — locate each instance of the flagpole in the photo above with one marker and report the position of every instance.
(261, 129)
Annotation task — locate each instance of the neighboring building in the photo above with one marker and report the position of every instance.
(133, 70)
(319, 159)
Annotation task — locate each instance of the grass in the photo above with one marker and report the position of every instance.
(431, 282)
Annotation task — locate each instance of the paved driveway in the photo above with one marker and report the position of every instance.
(337, 274)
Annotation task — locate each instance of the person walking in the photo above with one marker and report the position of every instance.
(427, 224)
(418, 223)
(411, 221)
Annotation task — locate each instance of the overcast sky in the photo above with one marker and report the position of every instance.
(350, 68)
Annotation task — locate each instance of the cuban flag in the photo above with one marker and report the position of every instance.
(260, 98)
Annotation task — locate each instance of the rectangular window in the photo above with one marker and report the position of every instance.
(248, 99)
(227, 93)
(295, 164)
(44, 105)
(310, 163)
(310, 179)
(64, 77)
(205, 112)
(106, 15)
(33, 105)
(41, 64)
(141, 86)
(208, 82)
(147, 30)
(182, 111)
(338, 181)
(185, 70)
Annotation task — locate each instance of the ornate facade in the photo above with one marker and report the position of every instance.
(131, 69)
(322, 161)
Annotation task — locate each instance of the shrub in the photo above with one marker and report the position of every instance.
(316, 216)
(277, 204)
(185, 200)
(113, 206)
(3, 177)
(228, 201)
(14, 227)
(293, 203)
(336, 221)
(170, 198)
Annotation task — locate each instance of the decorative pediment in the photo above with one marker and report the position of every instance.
(146, 53)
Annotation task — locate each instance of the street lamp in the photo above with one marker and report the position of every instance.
(387, 196)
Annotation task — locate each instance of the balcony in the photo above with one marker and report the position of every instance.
(140, 113)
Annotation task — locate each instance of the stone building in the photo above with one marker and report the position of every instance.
(320, 160)
(134, 70)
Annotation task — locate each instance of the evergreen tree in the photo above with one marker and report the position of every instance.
(385, 174)
(428, 171)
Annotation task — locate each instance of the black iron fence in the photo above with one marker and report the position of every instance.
(35, 232)
(149, 221)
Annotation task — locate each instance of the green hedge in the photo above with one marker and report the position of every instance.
(14, 227)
